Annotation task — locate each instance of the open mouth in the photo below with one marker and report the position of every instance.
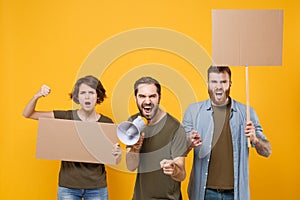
(147, 109)
(219, 93)
(87, 103)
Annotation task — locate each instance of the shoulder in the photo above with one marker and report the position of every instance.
(105, 119)
(175, 127)
(171, 118)
(237, 103)
(238, 106)
(204, 103)
(64, 114)
(173, 122)
(195, 107)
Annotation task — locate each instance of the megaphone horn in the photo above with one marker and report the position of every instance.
(129, 132)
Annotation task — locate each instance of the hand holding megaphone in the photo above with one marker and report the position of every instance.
(129, 132)
(137, 146)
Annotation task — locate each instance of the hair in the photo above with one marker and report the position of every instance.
(94, 83)
(147, 80)
(219, 69)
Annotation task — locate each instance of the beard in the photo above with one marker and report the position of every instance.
(219, 99)
(152, 113)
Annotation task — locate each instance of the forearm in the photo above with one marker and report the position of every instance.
(30, 107)
(179, 173)
(193, 140)
(263, 147)
(132, 159)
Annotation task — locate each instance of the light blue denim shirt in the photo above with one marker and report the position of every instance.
(198, 116)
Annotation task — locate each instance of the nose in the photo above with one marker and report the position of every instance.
(147, 100)
(220, 85)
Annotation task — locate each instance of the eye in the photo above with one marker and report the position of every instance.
(224, 82)
(153, 96)
(141, 96)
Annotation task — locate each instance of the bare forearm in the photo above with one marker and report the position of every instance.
(263, 147)
(132, 159)
(30, 107)
(29, 111)
(179, 173)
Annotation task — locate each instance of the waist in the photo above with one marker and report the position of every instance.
(221, 190)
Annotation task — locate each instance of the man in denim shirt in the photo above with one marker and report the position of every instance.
(217, 130)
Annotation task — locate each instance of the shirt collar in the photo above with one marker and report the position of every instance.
(208, 105)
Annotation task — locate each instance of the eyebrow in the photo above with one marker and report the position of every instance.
(83, 91)
(151, 95)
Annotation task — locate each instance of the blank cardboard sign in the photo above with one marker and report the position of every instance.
(77, 141)
(247, 37)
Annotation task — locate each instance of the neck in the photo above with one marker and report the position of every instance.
(88, 115)
(159, 115)
(220, 105)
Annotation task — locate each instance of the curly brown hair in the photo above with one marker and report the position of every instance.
(94, 83)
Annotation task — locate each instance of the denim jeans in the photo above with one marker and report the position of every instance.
(215, 195)
(78, 194)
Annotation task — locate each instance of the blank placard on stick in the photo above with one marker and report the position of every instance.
(247, 37)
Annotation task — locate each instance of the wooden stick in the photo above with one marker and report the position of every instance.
(247, 102)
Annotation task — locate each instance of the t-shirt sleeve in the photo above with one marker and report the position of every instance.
(62, 114)
(105, 119)
(188, 118)
(179, 144)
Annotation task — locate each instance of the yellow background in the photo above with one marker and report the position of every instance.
(45, 42)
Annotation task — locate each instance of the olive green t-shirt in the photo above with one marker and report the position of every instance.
(80, 175)
(164, 140)
(220, 171)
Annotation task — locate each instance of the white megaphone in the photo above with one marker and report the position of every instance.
(129, 132)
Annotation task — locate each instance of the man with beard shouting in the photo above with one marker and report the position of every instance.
(159, 155)
(218, 130)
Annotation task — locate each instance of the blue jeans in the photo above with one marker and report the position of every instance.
(86, 194)
(216, 195)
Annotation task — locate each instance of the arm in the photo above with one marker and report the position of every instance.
(30, 112)
(174, 168)
(117, 152)
(262, 146)
(133, 154)
(194, 140)
(132, 158)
